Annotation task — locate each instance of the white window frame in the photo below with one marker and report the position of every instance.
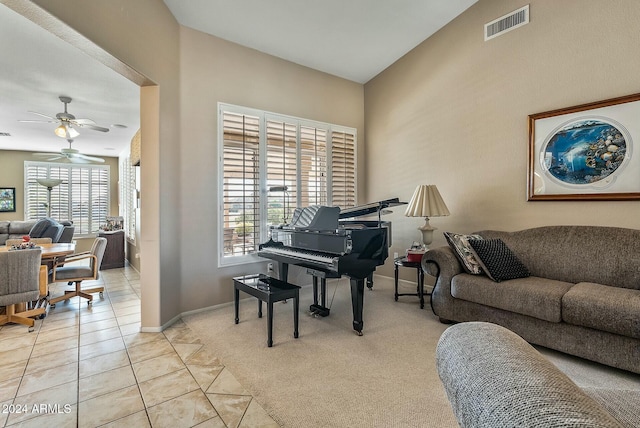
(263, 117)
(93, 229)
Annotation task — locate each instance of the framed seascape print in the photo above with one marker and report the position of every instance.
(586, 152)
(7, 199)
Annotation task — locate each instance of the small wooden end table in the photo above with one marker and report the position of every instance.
(404, 262)
(270, 290)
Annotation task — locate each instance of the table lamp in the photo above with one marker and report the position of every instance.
(426, 202)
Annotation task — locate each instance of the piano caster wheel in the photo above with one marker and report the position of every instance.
(359, 333)
(31, 329)
(101, 295)
(52, 306)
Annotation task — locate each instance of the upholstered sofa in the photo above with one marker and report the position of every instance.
(493, 378)
(44, 228)
(581, 297)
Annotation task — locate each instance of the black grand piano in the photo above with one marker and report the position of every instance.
(329, 243)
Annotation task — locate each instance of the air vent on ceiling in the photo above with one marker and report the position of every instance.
(506, 23)
(5, 134)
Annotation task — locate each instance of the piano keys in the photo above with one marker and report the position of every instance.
(321, 240)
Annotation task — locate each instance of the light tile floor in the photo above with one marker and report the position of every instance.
(89, 366)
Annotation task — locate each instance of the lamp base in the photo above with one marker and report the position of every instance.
(427, 233)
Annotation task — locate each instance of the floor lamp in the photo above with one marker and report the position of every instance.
(286, 199)
(49, 183)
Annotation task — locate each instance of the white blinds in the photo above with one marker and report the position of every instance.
(241, 181)
(128, 195)
(82, 197)
(343, 169)
(261, 150)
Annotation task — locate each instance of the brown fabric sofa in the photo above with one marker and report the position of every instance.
(582, 298)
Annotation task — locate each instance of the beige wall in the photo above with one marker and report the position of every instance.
(453, 112)
(12, 175)
(140, 40)
(213, 70)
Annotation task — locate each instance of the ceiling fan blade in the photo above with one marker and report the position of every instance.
(84, 121)
(90, 126)
(89, 158)
(37, 121)
(77, 159)
(49, 156)
(43, 115)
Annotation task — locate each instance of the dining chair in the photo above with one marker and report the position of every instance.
(68, 271)
(36, 241)
(20, 283)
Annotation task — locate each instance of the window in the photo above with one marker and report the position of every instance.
(303, 163)
(128, 195)
(82, 197)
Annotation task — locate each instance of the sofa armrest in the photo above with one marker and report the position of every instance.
(442, 263)
(494, 378)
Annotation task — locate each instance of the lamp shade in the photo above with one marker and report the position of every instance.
(426, 202)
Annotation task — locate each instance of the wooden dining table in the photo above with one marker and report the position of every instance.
(51, 251)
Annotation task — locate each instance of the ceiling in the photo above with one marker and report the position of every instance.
(354, 39)
(38, 67)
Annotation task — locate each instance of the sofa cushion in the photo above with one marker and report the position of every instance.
(532, 296)
(460, 245)
(497, 260)
(21, 228)
(4, 227)
(612, 309)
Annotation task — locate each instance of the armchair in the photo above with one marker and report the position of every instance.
(73, 272)
(47, 228)
(20, 283)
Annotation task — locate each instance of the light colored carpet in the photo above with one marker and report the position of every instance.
(330, 377)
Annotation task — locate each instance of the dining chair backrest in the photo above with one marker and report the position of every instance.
(97, 249)
(19, 276)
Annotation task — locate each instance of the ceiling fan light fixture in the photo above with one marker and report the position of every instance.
(72, 132)
(61, 131)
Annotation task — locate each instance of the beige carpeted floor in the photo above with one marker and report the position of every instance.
(330, 377)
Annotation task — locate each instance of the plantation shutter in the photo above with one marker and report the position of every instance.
(343, 169)
(313, 166)
(128, 194)
(241, 183)
(281, 170)
(82, 197)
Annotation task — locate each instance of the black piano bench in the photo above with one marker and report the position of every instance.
(270, 290)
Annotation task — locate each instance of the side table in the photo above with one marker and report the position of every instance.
(270, 290)
(403, 262)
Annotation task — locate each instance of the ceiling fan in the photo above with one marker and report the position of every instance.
(67, 122)
(72, 155)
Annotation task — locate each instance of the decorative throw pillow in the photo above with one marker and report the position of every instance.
(463, 251)
(497, 260)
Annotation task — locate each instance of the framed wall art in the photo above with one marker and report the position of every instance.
(586, 152)
(7, 199)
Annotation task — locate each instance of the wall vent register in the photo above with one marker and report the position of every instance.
(506, 23)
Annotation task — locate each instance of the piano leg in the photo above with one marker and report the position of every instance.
(357, 302)
(315, 289)
(283, 271)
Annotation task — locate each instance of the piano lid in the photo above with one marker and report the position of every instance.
(368, 209)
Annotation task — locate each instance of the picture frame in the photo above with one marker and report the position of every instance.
(7, 199)
(586, 152)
